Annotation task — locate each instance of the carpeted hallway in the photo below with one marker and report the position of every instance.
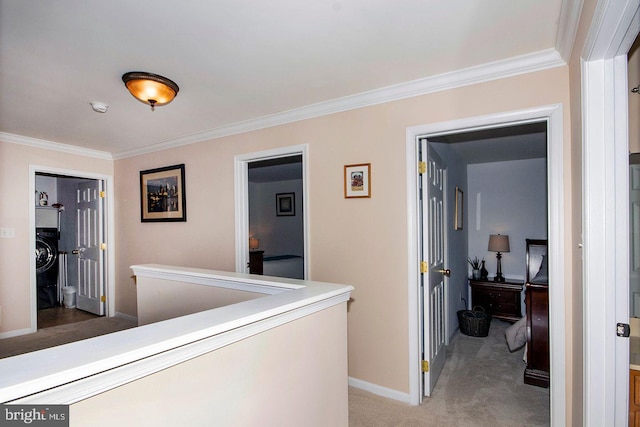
(480, 385)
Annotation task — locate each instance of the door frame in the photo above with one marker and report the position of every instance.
(241, 183)
(605, 215)
(109, 235)
(553, 115)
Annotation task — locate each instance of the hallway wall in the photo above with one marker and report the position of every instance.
(360, 242)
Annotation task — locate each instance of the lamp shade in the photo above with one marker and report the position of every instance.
(498, 243)
(151, 89)
(253, 243)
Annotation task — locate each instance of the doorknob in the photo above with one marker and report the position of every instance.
(78, 251)
(446, 272)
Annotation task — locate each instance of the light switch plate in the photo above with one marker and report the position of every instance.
(7, 233)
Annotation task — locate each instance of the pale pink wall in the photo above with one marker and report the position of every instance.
(361, 242)
(14, 213)
(293, 375)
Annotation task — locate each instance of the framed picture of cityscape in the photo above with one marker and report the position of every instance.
(162, 195)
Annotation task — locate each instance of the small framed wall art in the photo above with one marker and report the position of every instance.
(162, 195)
(286, 204)
(357, 181)
(459, 219)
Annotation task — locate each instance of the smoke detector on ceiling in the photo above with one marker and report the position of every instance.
(99, 107)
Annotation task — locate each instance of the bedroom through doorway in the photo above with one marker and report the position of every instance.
(482, 179)
(502, 171)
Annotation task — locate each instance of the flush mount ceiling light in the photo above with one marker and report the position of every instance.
(150, 88)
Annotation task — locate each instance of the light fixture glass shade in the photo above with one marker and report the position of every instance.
(498, 243)
(151, 89)
(253, 243)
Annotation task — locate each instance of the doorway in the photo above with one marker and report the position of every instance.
(76, 212)
(552, 116)
(497, 186)
(274, 224)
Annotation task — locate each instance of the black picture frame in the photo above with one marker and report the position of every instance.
(285, 204)
(162, 194)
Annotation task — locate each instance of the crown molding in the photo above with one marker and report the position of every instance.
(568, 27)
(55, 146)
(523, 64)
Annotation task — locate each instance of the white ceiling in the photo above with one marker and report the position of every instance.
(238, 63)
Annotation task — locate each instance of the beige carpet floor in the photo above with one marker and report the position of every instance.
(480, 385)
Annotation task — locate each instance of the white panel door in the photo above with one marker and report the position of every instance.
(89, 237)
(432, 184)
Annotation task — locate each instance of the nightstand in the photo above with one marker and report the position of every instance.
(500, 299)
(256, 262)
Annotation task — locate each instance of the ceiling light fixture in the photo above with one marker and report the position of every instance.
(150, 88)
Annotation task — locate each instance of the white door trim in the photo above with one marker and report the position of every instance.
(605, 216)
(241, 168)
(556, 217)
(109, 215)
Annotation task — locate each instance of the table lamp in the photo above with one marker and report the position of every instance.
(498, 243)
(253, 243)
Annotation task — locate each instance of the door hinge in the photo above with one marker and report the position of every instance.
(424, 267)
(103, 194)
(103, 246)
(623, 330)
(422, 167)
(425, 366)
(103, 298)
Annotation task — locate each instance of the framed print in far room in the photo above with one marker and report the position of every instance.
(357, 181)
(162, 195)
(286, 204)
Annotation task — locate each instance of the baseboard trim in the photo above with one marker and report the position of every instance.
(453, 334)
(379, 390)
(126, 316)
(16, 333)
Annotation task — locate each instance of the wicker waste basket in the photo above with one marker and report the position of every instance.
(474, 322)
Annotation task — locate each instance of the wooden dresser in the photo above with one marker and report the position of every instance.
(537, 302)
(634, 398)
(536, 299)
(500, 299)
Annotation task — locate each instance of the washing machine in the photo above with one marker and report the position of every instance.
(47, 267)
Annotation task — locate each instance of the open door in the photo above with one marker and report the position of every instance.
(432, 187)
(89, 247)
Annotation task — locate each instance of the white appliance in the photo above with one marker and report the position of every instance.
(47, 217)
